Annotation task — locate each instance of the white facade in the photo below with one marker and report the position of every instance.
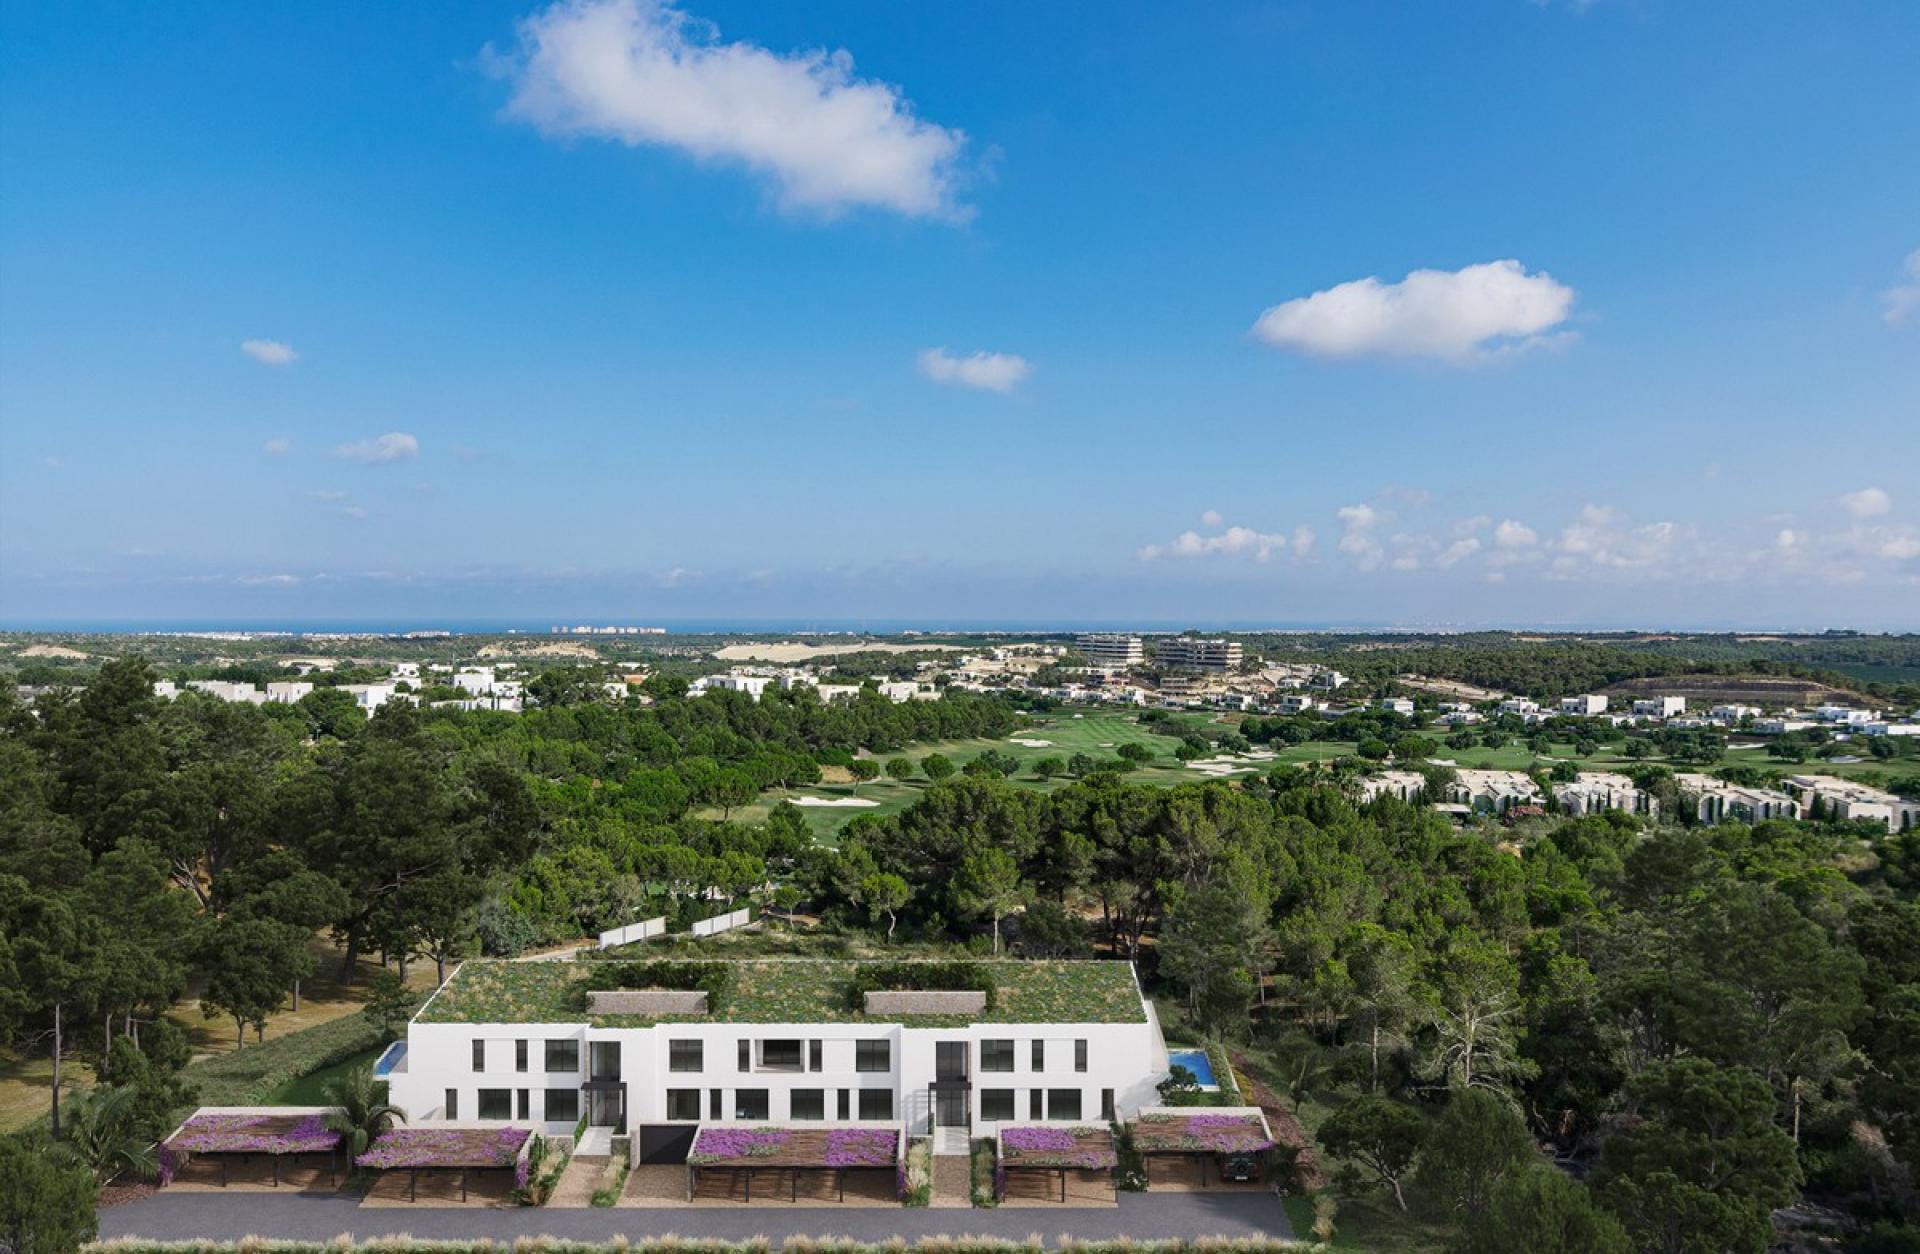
(1594, 792)
(1844, 799)
(1716, 801)
(1399, 705)
(1186, 653)
(1493, 792)
(287, 691)
(538, 1074)
(1659, 707)
(1585, 705)
(1111, 650)
(1406, 785)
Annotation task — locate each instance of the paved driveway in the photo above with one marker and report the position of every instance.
(1142, 1216)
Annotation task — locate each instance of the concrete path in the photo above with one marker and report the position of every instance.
(1141, 1216)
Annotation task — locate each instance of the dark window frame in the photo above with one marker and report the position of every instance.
(677, 1050)
(864, 1051)
(996, 1056)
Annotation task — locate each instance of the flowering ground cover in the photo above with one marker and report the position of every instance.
(1089, 1148)
(405, 1148)
(1200, 1133)
(795, 1147)
(254, 1134)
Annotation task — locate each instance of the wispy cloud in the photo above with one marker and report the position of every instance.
(1904, 297)
(394, 446)
(1233, 541)
(991, 372)
(269, 352)
(1461, 316)
(642, 72)
(277, 448)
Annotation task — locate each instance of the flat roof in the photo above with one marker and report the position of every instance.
(784, 990)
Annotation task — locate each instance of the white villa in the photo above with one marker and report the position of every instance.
(1716, 801)
(1595, 792)
(1493, 792)
(547, 1045)
(1844, 799)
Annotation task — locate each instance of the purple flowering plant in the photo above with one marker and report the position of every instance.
(719, 1145)
(444, 1147)
(860, 1147)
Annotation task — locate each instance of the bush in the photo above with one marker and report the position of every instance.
(944, 977)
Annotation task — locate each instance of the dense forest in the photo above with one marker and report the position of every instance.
(1591, 1033)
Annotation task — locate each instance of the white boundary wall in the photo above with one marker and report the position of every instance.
(721, 923)
(646, 929)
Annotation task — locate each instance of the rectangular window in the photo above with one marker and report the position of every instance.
(496, 1103)
(816, 1055)
(519, 1055)
(746, 1055)
(683, 1104)
(453, 1104)
(996, 1104)
(1080, 1055)
(1063, 1103)
(846, 1105)
(524, 1113)
(876, 1103)
(780, 1056)
(873, 1055)
(479, 1055)
(749, 1103)
(1034, 1108)
(686, 1055)
(809, 1104)
(716, 1103)
(1039, 1055)
(996, 1055)
(563, 1105)
(950, 1060)
(1106, 1104)
(563, 1057)
(605, 1056)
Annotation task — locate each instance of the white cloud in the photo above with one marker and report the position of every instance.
(1357, 539)
(268, 581)
(1460, 316)
(1303, 539)
(327, 494)
(1212, 518)
(1233, 541)
(394, 446)
(992, 372)
(1900, 547)
(269, 352)
(1457, 552)
(1511, 534)
(1867, 502)
(1903, 298)
(642, 72)
(277, 448)
(353, 511)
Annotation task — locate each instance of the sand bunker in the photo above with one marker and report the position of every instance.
(1030, 744)
(856, 802)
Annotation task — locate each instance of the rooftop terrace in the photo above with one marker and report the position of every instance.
(783, 991)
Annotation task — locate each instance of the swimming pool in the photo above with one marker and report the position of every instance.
(1196, 1061)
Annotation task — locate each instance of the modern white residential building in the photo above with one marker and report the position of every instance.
(1111, 650)
(1406, 785)
(1585, 705)
(1399, 705)
(1716, 801)
(1522, 706)
(287, 691)
(1328, 681)
(1832, 797)
(1493, 792)
(1659, 707)
(1294, 703)
(1184, 653)
(1733, 713)
(371, 697)
(1845, 714)
(476, 682)
(1594, 792)
(545, 1044)
(1461, 718)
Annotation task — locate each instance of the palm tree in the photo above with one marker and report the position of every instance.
(100, 1134)
(363, 1112)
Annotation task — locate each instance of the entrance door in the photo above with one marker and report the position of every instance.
(606, 1108)
(950, 1108)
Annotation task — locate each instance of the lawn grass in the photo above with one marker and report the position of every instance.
(311, 1089)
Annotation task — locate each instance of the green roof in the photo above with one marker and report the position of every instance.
(784, 991)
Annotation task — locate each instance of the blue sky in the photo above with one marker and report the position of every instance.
(1505, 312)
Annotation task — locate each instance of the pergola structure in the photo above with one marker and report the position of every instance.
(1203, 1135)
(746, 1151)
(1052, 1149)
(463, 1149)
(224, 1133)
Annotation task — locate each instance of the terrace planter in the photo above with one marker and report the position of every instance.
(967, 1004)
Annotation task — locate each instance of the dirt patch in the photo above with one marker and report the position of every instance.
(1762, 690)
(568, 649)
(793, 651)
(52, 650)
(120, 1193)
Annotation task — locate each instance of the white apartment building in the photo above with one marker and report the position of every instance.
(1493, 792)
(1110, 650)
(1461, 718)
(1399, 705)
(287, 691)
(544, 1044)
(1523, 706)
(1328, 681)
(1183, 653)
(898, 691)
(1659, 707)
(1595, 792)
(371, 697)
(1586, 705)
(1884, 728)
(477, 682)
(1406, 785)
(1733, 713)
(1781, 726)
(1845, 714)
(1715, 801)
(1845, 799)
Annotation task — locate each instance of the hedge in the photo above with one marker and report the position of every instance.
(944, 977)
(247, 1077)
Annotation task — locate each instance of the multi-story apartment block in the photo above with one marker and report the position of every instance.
(1586, 705)
(1493, 792)
(1294, 703)
(1183, 653)
(1111, 650)
(1593, 792)
(1659, 707)
(1406, 785)
(1715, 801)
(1398, 705)
(1835, 798)
(547, 1044)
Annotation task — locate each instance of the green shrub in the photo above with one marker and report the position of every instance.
(919, 977)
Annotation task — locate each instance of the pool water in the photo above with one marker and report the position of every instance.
(1196, 1061)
